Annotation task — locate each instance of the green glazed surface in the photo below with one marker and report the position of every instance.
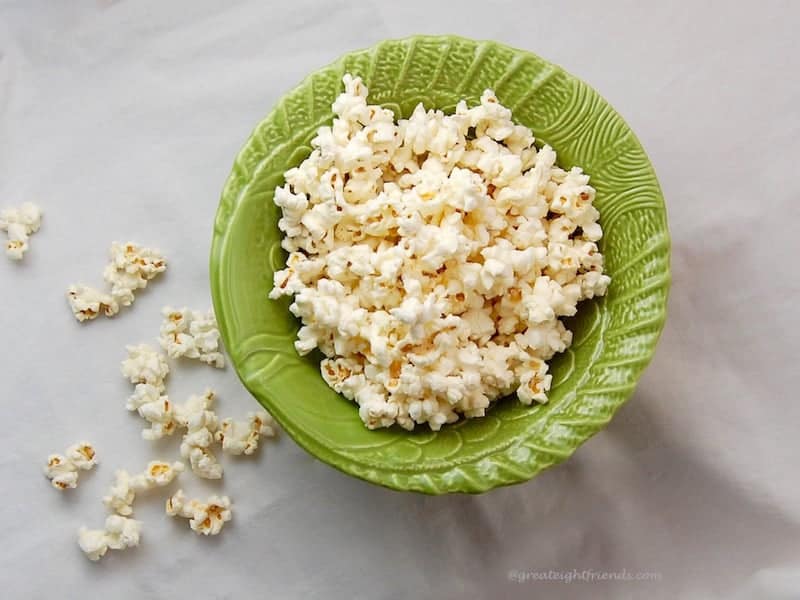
(614, 337)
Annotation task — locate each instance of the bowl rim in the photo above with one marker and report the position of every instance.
(224, 218)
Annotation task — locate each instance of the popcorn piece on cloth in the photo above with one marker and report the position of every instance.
(206, 518)
(145, 365)
(241, 437)
(192, 334)
(119, 533)
(201, 423)
(62, 470)
(122, 494)
(87, 303)
(123, 491)
(20, 223)
(130, 269)
(157, 474)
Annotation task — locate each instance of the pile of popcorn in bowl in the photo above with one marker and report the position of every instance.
(431, 259)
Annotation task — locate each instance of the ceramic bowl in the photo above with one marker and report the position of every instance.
(614, 337)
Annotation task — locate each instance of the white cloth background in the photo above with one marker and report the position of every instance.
(121, 119)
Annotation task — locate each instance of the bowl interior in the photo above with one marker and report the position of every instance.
(614, 337)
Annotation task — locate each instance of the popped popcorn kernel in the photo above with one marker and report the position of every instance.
(125, 487)
(20, 223)
(192, 334)
(62, 470)
(201, 424)
(130, 269)
(206, 518)
(119, 533)
(242, 437)
(145, 365)
(88, 303)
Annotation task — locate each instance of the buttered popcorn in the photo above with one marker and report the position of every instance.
(431, 259)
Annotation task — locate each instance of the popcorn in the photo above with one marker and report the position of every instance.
(145, 365)
(20, 223)
(121, 495)
(93, 542)
(82, 455)
(122, 533)
(191, 334)
(119, 533)
(157, 474)
(130, 269)
(201, 424)
(125, 487)
(62, 470)
(241, 437)
(431, 261)
(87, 302)
(206, 518)
(154, 408)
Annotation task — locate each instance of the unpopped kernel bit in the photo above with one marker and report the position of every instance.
(20, 223)
(432, 259)
(205, 518)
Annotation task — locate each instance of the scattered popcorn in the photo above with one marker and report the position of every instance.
(205, 518)
(62, 471)
(145, 365)
(82, 455)
(123, 491)
(153, 408)
(157, 474)
(87, 302)
(93, 542)
(119, 533)
(201, 424)
(192, 334)
(122, 533)
(20, 223)
(241, 437)
(432, 259)
(130, 269)
(121, 495)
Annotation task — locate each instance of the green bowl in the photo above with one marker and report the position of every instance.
(614, 337)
